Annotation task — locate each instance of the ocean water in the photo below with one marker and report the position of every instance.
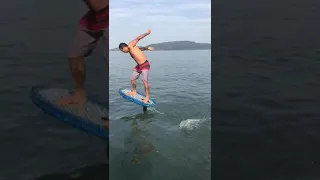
(173, 139)
(266, 99)
(33, 47)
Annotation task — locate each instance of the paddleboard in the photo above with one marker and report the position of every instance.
(87, 117)
(136, 98)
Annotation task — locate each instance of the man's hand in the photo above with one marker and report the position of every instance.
(146, 48)
(149, 31)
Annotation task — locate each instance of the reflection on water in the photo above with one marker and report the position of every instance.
(138, 141)
(138, 146)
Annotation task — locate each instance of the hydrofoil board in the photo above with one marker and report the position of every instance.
(89, 117)
(137, 99)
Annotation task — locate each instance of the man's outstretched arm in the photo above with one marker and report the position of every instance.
(136, 40)
(146, 48)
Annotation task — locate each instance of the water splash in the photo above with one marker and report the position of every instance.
(191, 124)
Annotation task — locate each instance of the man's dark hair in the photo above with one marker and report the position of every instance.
(122, 45)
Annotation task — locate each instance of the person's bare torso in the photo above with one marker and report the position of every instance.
(96, 5)
(137, 55)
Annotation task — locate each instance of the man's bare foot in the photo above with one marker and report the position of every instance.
(73, 99)
(146, 100)
(132, 93)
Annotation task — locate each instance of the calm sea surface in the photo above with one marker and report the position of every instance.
(34, 42)
(172, 140)
(266, 90)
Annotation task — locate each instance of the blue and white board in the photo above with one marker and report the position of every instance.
(136, 98)
(85, 117)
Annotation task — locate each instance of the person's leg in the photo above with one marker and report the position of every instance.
(134, 77)
(145, 74)
(83, 45)
(78, 73)
(105, 44)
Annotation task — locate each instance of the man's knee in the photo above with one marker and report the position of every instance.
(82, 45)
(145, 74)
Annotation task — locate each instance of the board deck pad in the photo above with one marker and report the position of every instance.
(136, 98)
(90, 112)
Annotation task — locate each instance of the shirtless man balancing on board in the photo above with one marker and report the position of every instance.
(142, 66)
(93, 27)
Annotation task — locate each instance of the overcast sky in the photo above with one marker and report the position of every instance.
(169, 20)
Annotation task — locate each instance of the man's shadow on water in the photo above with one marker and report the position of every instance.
(138, 147)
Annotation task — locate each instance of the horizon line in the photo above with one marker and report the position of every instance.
(176, 41)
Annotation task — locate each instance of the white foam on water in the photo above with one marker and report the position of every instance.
(191, 124)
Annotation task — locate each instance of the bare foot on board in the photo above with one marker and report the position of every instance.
(73, 99)
(132, 93)
(146, 100)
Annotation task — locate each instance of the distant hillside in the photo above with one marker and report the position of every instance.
(178, 45)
